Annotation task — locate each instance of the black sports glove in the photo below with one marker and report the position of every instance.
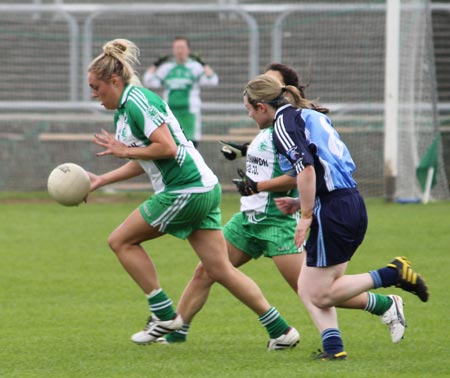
(197, 58)
(233, 150)
(161, 60)
(245, 185)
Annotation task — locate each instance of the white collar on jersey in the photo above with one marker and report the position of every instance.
(281, 109)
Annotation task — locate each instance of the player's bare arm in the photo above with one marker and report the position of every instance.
(128, 170)
(278, 184)
(163, 146)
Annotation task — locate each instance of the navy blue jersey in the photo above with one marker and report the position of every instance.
(307, 137)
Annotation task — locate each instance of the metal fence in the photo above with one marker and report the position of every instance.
(44, 99)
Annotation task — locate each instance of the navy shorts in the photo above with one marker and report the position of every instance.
(338, 228)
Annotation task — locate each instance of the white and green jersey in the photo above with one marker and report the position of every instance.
(139, 114)
(262, 164)
(181, 83)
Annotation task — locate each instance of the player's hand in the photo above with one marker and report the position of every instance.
(95, 183)
(95, 180)
(287, 205)
(245, 185)
(110, 144)
(161, 60)
(301, 231)
(233, 150)
(198, 58)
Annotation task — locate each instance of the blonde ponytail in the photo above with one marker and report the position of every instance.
(269, 90)
(119, 57)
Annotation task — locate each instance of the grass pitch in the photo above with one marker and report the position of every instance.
(68, 309)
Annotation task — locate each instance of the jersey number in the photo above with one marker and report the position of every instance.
(335, 145)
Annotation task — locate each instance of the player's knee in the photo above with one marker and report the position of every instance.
(200, 272)
(114, 243)
(214, 273)
(201, 275)
(317, 299)
(322, 301)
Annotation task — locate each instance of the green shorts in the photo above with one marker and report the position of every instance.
(182, 214)
(268, 237)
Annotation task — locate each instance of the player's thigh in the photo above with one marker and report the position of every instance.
(236, 256)
(133, 230)
(316, 282)
(242, 237)
(290, 267)
(210, 246)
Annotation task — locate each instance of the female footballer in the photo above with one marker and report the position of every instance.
(332, 210)
(186, 200)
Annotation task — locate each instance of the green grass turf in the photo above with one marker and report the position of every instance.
(67, 309)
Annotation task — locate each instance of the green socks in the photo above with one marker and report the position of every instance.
(178, 336)
(378, 304)
(274, 323)
(161, 305)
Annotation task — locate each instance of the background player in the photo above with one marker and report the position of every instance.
(181, 76)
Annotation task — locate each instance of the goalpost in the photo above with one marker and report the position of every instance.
(413, 163)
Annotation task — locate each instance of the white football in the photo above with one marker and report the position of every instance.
(68, 184)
